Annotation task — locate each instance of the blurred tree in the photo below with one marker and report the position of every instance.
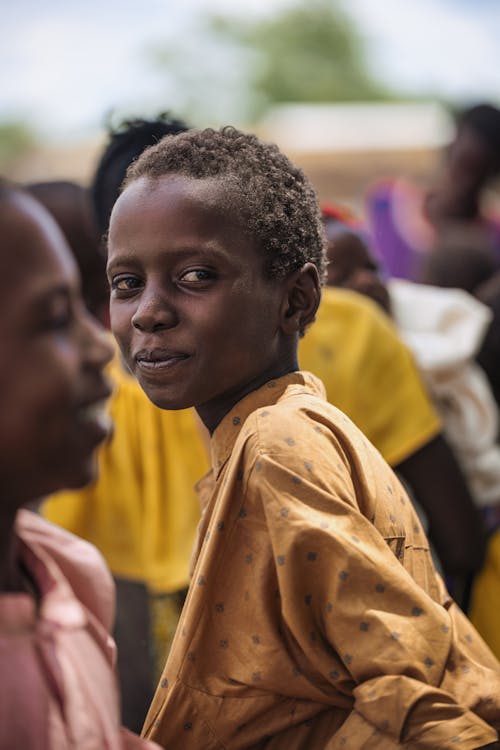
(16, 139)
(235, 68)
(308, 52)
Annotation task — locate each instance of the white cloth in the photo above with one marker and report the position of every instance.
(444, 329)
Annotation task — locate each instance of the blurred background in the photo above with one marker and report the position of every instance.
(350, 89)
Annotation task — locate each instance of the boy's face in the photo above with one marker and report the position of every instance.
(52, 388)
(190, 307)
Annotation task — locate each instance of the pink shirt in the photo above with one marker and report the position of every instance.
(57, 684)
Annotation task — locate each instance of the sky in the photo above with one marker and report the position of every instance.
(64, 64)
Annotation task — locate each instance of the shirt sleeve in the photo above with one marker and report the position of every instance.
(24, 698)
(81, 564)
(357, 619)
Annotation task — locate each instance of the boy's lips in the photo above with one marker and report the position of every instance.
(155, 359)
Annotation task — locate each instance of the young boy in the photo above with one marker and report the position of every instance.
(142, 511)
(315, 618)
(58, 686)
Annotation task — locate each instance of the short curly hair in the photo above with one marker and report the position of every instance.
(272, 199)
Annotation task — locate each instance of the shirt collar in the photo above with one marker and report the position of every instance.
(225, 434)
(58, 604)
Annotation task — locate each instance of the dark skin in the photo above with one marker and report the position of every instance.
(456, 195)
(455, 526)
(11, 578)
(70, 205)
(52, 421)
(488, 356)
(352, 266)
(197, 321)
(464, 259)
(432, 472)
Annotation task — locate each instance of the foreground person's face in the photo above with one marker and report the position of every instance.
(52, 387)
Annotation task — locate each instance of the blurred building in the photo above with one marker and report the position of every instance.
(70, 161)
(343, 147)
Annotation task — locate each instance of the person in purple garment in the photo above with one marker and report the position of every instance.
(407, 224)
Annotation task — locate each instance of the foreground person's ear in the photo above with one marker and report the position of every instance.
(301, 299)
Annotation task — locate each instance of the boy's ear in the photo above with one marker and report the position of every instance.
(300, 300)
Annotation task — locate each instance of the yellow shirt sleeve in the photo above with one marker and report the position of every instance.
(142, 512)
(369, 374)
(484, 613)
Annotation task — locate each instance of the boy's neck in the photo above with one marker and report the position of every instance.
(212, 414)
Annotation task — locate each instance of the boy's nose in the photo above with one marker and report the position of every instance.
(153, 314)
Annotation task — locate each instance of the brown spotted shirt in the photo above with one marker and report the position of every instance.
(315, 619)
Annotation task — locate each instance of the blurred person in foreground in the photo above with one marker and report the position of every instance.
(141, 511)
(407, 225)
(58, 687)
(71, 206)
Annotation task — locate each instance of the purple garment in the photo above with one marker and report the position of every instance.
(398, 257)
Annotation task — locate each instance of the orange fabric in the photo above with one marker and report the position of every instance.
(315, 618)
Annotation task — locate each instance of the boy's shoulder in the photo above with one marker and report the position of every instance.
(301, 450)
(79, 562)
(301, 421)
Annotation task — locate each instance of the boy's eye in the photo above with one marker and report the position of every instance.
(125, 283)
(197, 275)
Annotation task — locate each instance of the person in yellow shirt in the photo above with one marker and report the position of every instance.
(350, 338)
(445, 342)
(371, 375)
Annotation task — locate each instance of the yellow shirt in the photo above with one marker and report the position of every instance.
(142, 511)
(315, 618)
(484, 609)
(369, 374)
